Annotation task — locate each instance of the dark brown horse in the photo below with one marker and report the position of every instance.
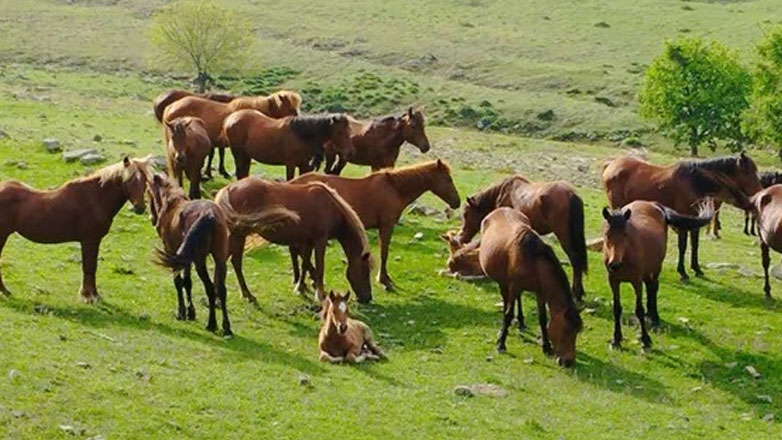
(213, 113)
(187, 145)
(634, 241)
(165, 99)
(767, 178)
(377, 142)
(309, 215)
(680, 186)
(514, 256)
(550, 206)
(80, 210)
(380, 198)
(293, 141)
(191, 230)
(768, 204)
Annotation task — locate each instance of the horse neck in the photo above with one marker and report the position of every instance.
(410, 183)
(170, 205)
(390, 137)
(109, 195)
(349, 237)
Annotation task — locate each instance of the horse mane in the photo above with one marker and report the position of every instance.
(616, 220)
(768, 178)
(411, 175)
(486, 199)
(314, 130)
(703, 174)
(349, 213)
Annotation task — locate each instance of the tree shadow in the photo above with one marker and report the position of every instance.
(614, 378)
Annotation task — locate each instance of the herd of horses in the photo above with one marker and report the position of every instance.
(304, 213)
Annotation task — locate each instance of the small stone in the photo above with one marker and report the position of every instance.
(480, 389)
(97, 437)
(18, 413)
(13, 374)
(463, 390)
(84, 365)
(720, 266)
(595, 244)
(764, 398)
(489, 358)
(731, 364)
(602, 24)
(752, 371)
(411, 322)
(97, 138)
(418, 235)
(52, 145)
(528, 360)
(304, 380)
(74, 155)
(68, 429)
(747, 272)
(683, 320)
(92, 159)
(397, 258)
(768, 417)
(158, 162)
(776, 271)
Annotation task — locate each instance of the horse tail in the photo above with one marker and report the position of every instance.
(687, 222)
(200, 232)
(256, 222)
(578, 250)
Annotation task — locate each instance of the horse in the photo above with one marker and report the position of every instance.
(377, 142)
(166, 98)
(768, 204)
(81, 210)
(634, 241)
(187, 145)
(293, 141)
(342, 338)
(380, 198)
(311, 213)
(191, 230)
(680, 186)
(767, 178)
(514, 256)
(464, 259)
(550, 206)
(213, 113)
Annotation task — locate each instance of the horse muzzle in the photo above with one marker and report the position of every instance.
(139, 209)
(343, 328)
(613, 266)
(567, 363)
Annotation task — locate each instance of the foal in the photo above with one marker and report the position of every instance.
(634, 242)
(464, 261)
(343, 338)
(187, 145)
(768, 204)
(514, 256)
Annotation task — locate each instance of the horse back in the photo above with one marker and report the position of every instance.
(500, 253)
(212, 113)
(627, 179)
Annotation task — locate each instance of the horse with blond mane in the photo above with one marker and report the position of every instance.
(165, 99)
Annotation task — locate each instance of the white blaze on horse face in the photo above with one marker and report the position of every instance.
(342, 307)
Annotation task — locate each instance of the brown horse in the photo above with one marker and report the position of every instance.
(213, 113)
(315, 214)
(767, 178)
(768, 204)
(187, 145)
(514, 256)
(634, 241)
(343, 338)
(380, 198)
(165, 99)
(550, 206)
(191, 230)
(80, 210)
(680, 186)
(464, 259)
(293, 141)
(377, 142)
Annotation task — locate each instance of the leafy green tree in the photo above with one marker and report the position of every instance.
(763, 120)
(696, 92)
(199, 35)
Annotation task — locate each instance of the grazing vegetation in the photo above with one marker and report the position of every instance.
(76, 71)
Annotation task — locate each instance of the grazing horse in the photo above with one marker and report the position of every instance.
(191, 230)
(80, 210)
(550, 207)
(464, 259)
(634, 241)
(343, 338)
(680, 186)
(767, 179)
(380, 198)
(166, 98)
(213, 113)
(315, 213)
(514, 256)
(293, 141)
(377, 142)
(768, 204)
(187, 145)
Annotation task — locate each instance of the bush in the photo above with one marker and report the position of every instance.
(763, 120)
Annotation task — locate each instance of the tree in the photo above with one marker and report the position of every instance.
(696, 92)
(763, 120)
(198, 34)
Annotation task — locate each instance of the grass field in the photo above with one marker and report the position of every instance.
(127, 369)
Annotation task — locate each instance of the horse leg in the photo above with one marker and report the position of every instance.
(300, 271)
(220, 272)
(639, 313)
(187, 283)
(89, 262)
(236, 247)
(194, 175)
(520, 312)
(766, 259)
(221, 153)
(4, 290)
(211, 324)
(617, 341)
(208, 169)
(339, 166)
(754, 219)
(507, 311)
(320, 257)
(242, 163)
(385, 240)
(716, 225)
(652, 286)
(290, 172)
(746, 222)
(696, 267)
(179, 285)
(543, 321)
(682, 234)
(329, 163)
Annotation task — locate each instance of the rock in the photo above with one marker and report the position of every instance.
(18, 413)
(74, 155)
(489, 358)
(13, 374)
(85, 365)
(97, 138)
(602, 24)
(748, 273)
(595, 244)
(68, 429)
(52, 145)
(418, 235)
(92, 159)
(463, 390)
(752, 371)
(731, 365)
(776, 271)
(764, 398)
(480, 389)
(424, 210)
(768, 417)
(547, 115)
(683, 320)
(158, 162)
(304, 380)
(720, 266)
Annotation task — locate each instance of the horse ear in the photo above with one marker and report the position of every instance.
(366, 256)
(126, 161)
(627, 214)
(157, 179)
(332, 298)
(410, 111)
(347, 296)
(440, 163)
(606, 214)
(471, 201)
(765, 199)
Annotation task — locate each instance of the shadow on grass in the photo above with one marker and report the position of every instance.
(614, 378)
(730, 294)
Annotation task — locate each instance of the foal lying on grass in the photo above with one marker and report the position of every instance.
(342, 338)
(463, 262)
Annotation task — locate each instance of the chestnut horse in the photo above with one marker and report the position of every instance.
(293, 141)
(187, 145)
(164, 99)
(213, 113)
(380, 198)
(634, 241)
(464, 259)
(377, 142)
(80, 210)
(342, 338)
(550, 207)
(316, 214)
(680, 186)
(514, 256)
(768, 204)
(191, 230)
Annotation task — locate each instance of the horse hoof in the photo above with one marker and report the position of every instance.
(684, 278)
(699, 274)
(616, 345)
(191, 315)
(211, 327)
(180, 316)
(228, 334)
(502, 350)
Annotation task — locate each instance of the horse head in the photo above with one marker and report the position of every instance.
(359, 276)
(414, 129)
(339, 135)
(134, 182)
(473, 214)
(337, 311)
(442, 184)
(563, 330)
(616, 240)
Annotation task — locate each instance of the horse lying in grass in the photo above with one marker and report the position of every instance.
(166, 98)
(80, 210)
(293, 141)
(191, 230)
(343, 338)
(306, 217)
(634, 242)
(380, 198)
(377, 142)
(213, 113)
(768, 204)
(187, 145)
(514, 256)
(549, 206)
(463, 260)
(680, 186)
